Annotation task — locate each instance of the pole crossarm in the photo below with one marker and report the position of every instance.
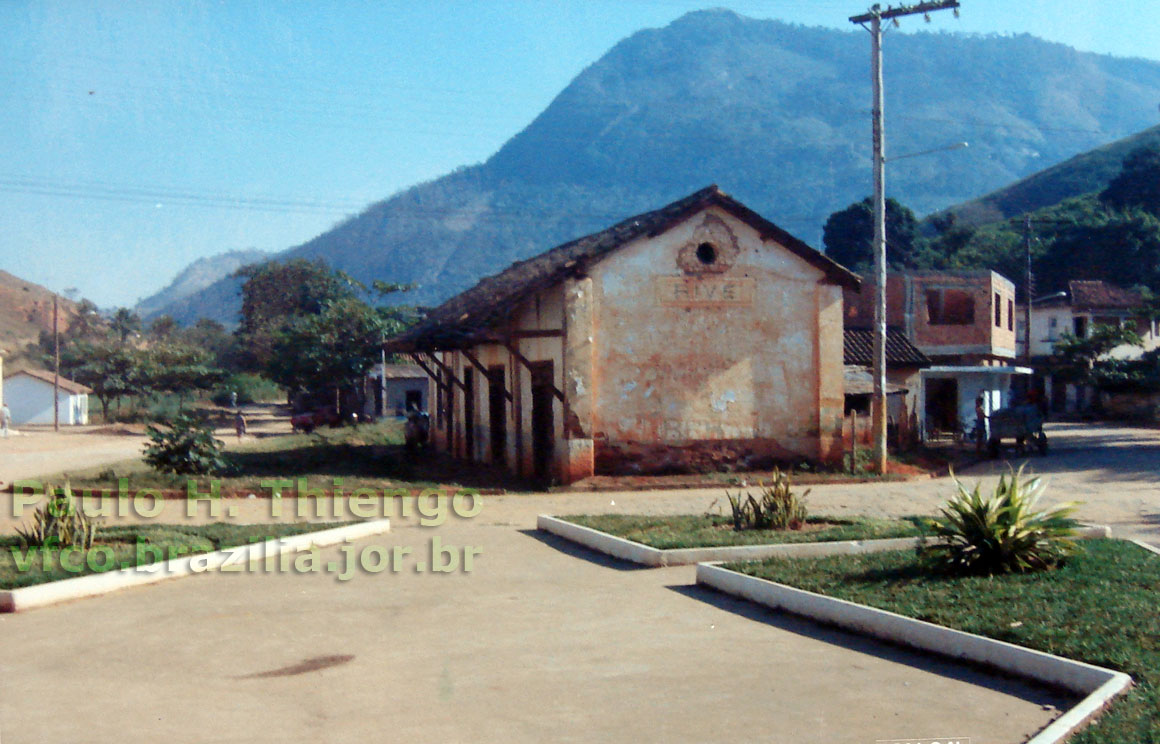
(903, 10)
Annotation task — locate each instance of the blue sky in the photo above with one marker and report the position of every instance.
(138, 136)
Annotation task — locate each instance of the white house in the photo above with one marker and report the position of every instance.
(28, 394)
(395, 388)
(1085, 304)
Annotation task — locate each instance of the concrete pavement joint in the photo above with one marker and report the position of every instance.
(40, 595)
(1097, 684)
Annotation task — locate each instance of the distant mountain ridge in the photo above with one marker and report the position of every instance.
(1083, 174)
(194, 278)
(776, 114)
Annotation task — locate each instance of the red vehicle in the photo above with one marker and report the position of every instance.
(311, 420)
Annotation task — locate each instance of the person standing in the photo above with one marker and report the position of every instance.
(239, 424)
(980, 424)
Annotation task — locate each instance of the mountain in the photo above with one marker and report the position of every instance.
(25, 311)
(1083, 174)
(193, 279)
(776, 114)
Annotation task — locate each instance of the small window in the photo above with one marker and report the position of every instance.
(707, 253)
(1010, 315)
(1080, 327)
(998, 311)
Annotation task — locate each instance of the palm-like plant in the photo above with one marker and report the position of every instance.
(1001, 532)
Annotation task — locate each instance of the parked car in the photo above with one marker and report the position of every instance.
(311, 420)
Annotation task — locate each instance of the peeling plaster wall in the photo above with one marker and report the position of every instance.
(680, 365)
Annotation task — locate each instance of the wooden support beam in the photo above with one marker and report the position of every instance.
(485, 371)
(447, 371)
(430, 372)
(529, 364)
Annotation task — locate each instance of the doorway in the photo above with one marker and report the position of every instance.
(543, 422)
(942, 405)
(497, 414)
(469, 414)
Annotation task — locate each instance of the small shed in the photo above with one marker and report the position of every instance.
(397, 388)
(28, 394)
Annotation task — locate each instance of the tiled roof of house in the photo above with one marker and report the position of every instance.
(858, 348)
(860, 381)
(1099, 295)
(44, 376)
(463, 319)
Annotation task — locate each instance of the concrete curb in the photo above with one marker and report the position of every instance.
(1098, 685)
(627, 550)
(1150, 548)
(90, 585)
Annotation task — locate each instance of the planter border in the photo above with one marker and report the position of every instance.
(628, 550)
(1098, 685)
(91, 585)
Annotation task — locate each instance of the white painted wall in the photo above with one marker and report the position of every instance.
(30, 401)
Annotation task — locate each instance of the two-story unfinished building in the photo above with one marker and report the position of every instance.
(964, 322)
(699, 335)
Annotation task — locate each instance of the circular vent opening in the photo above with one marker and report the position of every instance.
(707, 253)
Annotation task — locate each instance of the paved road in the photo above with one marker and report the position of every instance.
(540, 641)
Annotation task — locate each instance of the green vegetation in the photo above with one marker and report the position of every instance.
(133, 545)
(305, 327)
(59, 523)
(186, 447)
(714, 530)
(778, 507)
(1098, 607)
(250, 388)
(1001, 532)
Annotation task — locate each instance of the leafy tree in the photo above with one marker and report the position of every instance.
(186, 447)
(124, 323)
(163, 327)
(111, 369)
(86, 322)
(179, 369)
(1077, 357)
(274, 294)
(329, 351)
(849, 237)
(1138, 182)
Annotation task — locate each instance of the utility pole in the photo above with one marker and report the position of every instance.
(56, 364)
(874, 17)
(1029, 288)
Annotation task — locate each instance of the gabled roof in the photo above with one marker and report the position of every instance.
(463, 319)
(858, 349)
(1100, 295)
(399, 371)
(44, 376)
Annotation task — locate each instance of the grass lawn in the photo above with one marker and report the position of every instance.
(714, 530)
(1100, 607)
(124, 541)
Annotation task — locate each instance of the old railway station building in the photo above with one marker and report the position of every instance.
(698, 336)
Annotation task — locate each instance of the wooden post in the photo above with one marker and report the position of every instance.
(56, 364)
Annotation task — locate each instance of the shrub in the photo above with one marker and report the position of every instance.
(59, 523)
(1001, 532)
(778, 508)
(186, 447)
(250, 389)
